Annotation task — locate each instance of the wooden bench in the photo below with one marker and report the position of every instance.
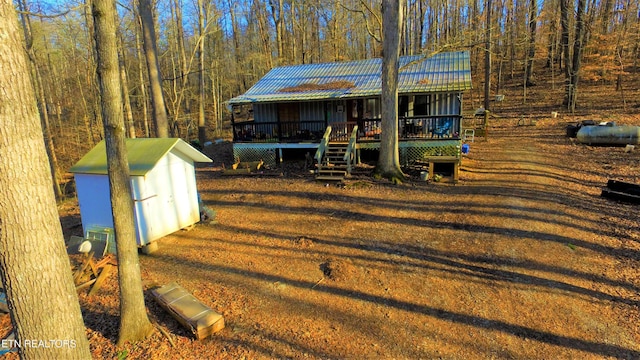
(188, 310)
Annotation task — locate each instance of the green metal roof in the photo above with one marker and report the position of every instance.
(143, 155)
(443, 72)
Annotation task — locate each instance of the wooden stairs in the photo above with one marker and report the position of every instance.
(333, 166)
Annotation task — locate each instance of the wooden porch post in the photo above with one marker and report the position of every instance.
(233, 122)
(279, 123)
(326, 114)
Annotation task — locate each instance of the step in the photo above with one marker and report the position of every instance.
(329, 178)
(331, 172)
(333, 167)
(335, 153)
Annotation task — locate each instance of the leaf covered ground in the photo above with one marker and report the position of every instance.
(521, 259)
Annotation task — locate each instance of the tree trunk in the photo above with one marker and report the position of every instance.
(155, 79)
(134, 323)
(242, 86)
(487, 57)
(202, 128)
(276, 13)
(566, 50)
(533, 19)
(420, 28)
(95, 122)
(131, 128)
(143, 91)
(34, 262)
(389, 160)
(40, 94)
(577, 55)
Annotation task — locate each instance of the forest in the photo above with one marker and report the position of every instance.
(524, 259)
(210, 51)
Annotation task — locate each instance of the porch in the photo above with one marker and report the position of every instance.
(286, 132)
(419, 138)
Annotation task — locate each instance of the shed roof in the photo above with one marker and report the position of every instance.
(143, 154)
(443, 72)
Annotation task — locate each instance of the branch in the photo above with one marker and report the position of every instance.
(45, 16)
(439, 50)
(366, 22)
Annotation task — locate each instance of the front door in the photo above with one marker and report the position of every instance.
(289, 118)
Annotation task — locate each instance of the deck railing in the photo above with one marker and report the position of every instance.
(350, 155)
(409, 128)
(415, 127)
(323, 146)
(283, 131)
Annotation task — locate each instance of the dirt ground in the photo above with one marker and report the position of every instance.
(521, 259)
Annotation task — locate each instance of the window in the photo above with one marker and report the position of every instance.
(421, 105)
(372, 108)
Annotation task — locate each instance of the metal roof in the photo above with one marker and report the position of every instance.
(443, 72)
(143, 155)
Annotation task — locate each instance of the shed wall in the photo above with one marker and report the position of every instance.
(94, 200)
(165, 200)
(172, 198)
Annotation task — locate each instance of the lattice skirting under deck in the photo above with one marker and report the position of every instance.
(411, 151)
(266, 154)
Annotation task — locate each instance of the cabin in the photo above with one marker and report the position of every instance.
(163, 187)
(310, 106)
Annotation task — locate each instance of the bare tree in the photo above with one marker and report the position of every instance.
(573, 59)
(131, 129)
(389, 160)
(202, 129)
(134, 323)
(143, 91)
(276, 14)
(40, 93)
(155, 79)
(487, 56)
(34, 264)
(533, 20)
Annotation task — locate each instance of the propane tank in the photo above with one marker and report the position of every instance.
(609, 135)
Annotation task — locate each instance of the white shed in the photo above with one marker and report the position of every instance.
(163, 187)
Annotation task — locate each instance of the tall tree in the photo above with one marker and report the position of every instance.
(202, 129)
(487, 56)
(143, 91)
(578, 46)
(533, 21)
(389, 160)
(40, 93)
(134, 323)
(34, 264)
(276, 13)
(573, 59)
(131, 128)
(155, 79)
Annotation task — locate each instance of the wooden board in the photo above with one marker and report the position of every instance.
(188, 310)
(622, 191)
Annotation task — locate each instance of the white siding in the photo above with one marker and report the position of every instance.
(175, 204)
(165, 200)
